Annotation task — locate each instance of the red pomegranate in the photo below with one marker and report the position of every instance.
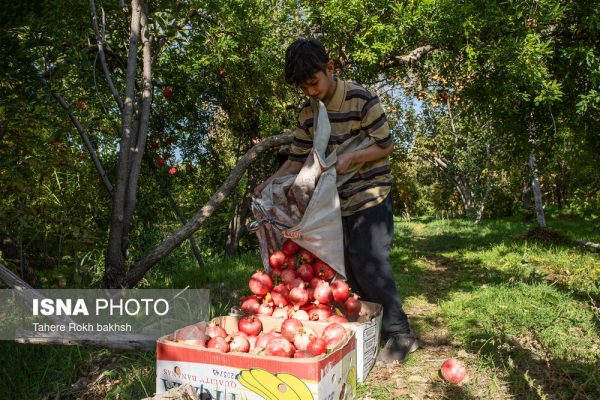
(306, 256)
(323, 271)
(333, 334)
(352, 305)
(239, 343)
(303, 336)
(288, 275)
(250, 325)
(453, 370)
(323, 293)
(316, 346)
(218, 343)
(298, 297)
(250, 304)
(340, 290)
(305, 272)
(300, 315)
(279, 347)
(290, 247)
(289, 328)
(215, 330)
(260, 283)
(280, 312)
(337, 318)
(276, 259)
(279, 295)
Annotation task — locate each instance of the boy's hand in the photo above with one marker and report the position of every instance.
(343, 163)
(258, 190)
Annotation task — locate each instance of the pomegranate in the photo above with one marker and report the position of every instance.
(280, 312)
(265, 309)
(306, 256)
(276, 259)
(320, 312)
(167, 92)
(290, 247)
(323, 293)
(453, 370)
(239, 333)
(279, 347)
(215, 330)
(290, 262)
(218, 343)
(296, 282)
(250, 304)
(316, 346)
(263, 339)
(340, 290)
(289, 328)
(352, 305)
(323, 270)
(275, 276)
(279, 295)
(288, 275)
(260, 283)
(300, 315)
(298, 297)
(337, 318)
(252, 341)
(310, 291)
(250, 325)
(303, 336)
(315, 281)
(305, 272)
(239, 343)
(333, 334)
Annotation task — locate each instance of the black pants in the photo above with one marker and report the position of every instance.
(367, 240)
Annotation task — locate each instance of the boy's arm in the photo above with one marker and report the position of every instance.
(289, 167)
(371, 153)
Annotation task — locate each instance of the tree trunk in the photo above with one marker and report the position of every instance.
(482, 205)
(537, 193)
(114, 273)
(237, 224)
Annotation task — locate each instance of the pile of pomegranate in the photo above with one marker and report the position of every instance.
(300, 286)
(291, 340)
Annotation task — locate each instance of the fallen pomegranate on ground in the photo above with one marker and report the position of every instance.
(453, 370)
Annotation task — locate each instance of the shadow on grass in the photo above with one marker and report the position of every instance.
(528, 374)
(531, 376)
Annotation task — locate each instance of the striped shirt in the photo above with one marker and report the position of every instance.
(352, 111)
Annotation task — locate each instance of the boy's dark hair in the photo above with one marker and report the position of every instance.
(303, 59)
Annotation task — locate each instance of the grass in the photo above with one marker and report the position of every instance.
(520, 310)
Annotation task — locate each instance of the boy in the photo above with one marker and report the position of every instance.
(365, 200)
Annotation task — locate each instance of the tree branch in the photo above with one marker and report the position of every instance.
(136, 273)
(86, 140)
(100, 42)
(411, 58)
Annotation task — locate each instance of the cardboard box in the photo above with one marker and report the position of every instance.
(237, 376)
(367, 335)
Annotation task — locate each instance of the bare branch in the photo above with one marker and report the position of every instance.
(411, 58)
(136, 273)
(137, 150)
(100, 41)
(86, 141)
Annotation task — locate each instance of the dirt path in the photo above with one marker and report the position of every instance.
(418, 377)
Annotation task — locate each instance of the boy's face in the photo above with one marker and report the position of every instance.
(321, 86)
